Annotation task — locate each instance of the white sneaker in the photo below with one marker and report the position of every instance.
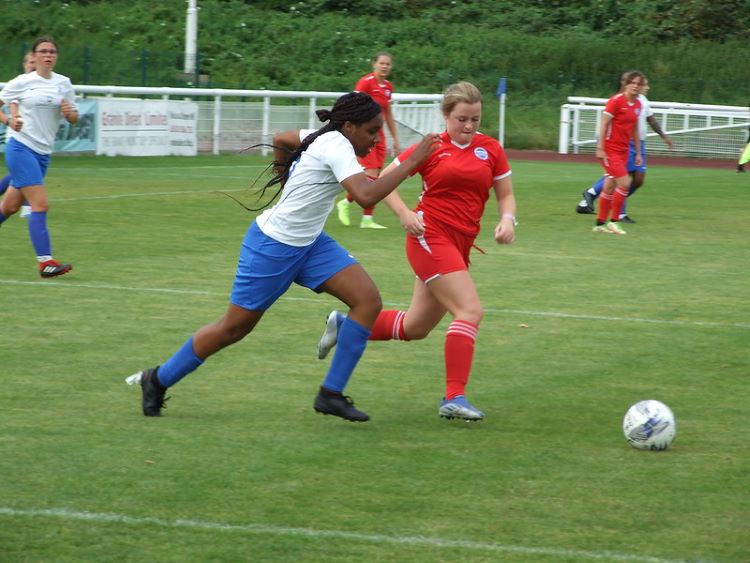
(25, 211)
(330, 334)
(614, 227)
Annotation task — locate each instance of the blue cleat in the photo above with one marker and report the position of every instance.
(459, 407)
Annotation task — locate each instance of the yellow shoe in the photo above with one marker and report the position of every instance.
(343, 211)
(368, 223)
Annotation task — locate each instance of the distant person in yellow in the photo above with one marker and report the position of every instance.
(745, 158)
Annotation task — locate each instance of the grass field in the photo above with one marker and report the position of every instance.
(577, 327)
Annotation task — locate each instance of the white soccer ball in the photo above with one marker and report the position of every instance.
(649, 425)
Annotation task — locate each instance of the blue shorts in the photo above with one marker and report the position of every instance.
(268, 267)
(26, 167)
(631, 158)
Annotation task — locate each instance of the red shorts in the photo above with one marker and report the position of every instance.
(617, 163)
(438, 251)
(376, 157)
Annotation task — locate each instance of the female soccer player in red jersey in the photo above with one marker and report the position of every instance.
(380, 89)
(457, 180)
(618, 126)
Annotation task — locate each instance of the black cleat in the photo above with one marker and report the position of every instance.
(740, 169)
(153, 393)
(52, 268)
(585, 209)
(328, 402)
(627, 220)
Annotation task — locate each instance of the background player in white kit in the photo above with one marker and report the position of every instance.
(37, 102)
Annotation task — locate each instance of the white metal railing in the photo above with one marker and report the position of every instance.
(233, 120)
(698, 130)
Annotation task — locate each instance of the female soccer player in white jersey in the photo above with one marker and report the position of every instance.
(457, 180)
(37, 101)
(286, 244)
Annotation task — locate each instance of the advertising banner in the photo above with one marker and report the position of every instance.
(147, 128)
(80, 137)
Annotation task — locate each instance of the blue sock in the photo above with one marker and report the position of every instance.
(597, 187)
(350, 346)
(340, 318)
(2, 218)
(178, 366)
(39, 233)
(4, 183)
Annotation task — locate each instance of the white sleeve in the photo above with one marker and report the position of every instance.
(70, 94)
(304, 133)
(342, 160)
(12, 90)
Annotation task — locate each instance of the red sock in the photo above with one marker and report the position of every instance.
(389, 326)
(349, 197)
(368, 211)
(617, 201)
(605, 204)
(459, 355)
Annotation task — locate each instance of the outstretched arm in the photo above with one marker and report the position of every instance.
(367, 192)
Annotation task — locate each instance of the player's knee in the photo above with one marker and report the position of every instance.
(473, 314)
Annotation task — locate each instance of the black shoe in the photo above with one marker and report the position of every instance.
(153, 393)
(328, 402)
(740, 169)
(585, 209)
(626, 219)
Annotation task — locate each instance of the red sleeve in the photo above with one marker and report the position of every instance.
(363, 85)
(501, 164)
(611, 107)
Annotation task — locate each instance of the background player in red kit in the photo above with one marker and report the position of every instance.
(619, 124)
(380, 89)
(457, 180)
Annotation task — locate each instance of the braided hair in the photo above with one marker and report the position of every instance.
(354, 107)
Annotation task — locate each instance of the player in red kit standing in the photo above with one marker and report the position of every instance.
(457, 180)
(380, 89)
(618, 126)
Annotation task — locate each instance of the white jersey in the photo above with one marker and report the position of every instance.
(646, 112)
(310, 192)
(38, 99)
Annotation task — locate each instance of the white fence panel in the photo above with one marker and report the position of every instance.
(698, 130)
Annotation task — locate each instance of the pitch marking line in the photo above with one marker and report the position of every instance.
(423, 541)
(145, 194)
(551, 314)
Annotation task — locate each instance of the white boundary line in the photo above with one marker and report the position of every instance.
(551, 314)
(145, 194)
(423, 541)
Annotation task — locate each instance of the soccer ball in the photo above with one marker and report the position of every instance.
(649, 425)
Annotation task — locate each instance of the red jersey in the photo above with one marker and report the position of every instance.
(381, 94)
(456, 181)
(624, 119)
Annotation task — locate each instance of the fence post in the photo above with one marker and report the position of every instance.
(501, 89)
(266, 121)
(562, 144)
(217, 124)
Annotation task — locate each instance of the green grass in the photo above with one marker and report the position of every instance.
(577, 327)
